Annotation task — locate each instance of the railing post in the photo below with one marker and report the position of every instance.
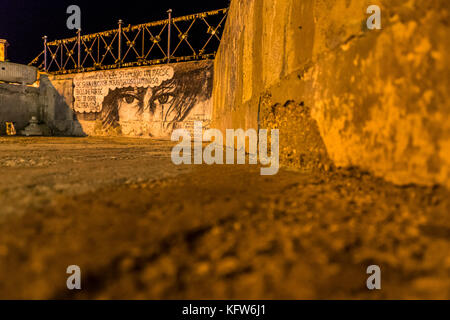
(78, 45)
(119, 57)
(169, 36)
(45, 53)
(79, 48)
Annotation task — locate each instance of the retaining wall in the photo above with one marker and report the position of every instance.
(18, 103)
(141, 101)
(341, 95)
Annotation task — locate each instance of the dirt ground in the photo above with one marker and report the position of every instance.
(140, 227)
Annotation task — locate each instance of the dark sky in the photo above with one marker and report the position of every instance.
(24, 22)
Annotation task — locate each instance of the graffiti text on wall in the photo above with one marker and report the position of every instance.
(146, 101)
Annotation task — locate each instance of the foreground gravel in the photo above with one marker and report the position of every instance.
(142, 228)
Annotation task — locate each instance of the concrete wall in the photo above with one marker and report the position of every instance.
(17, 73)
(56, 99)
(143, 101)
(18, 103)
(339, 93)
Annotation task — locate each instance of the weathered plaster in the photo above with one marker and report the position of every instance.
(379, 98)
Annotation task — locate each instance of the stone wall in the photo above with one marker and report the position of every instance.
(17, 73)
(341, 94)
(141, 102)
(18, 103)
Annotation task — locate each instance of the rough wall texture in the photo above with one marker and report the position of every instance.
(56, 97)
(18, 103)
(142, 101)
(17, 73)
(379, 98)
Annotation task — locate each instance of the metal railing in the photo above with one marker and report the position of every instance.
(198, 37)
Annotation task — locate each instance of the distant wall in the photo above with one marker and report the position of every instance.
(338, 92)
(17, 73)
(142, 101)
(18, 103)
(56, 99)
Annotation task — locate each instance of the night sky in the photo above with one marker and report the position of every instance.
(24, 22)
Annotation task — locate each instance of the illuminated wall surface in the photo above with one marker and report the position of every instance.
(3, 49)
(140, 102)
(377, 99)
(136, 102)
(17, 104)
(2, 53)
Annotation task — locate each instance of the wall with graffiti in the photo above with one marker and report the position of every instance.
(142, 101)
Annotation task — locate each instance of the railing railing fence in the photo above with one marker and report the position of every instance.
(198, 37)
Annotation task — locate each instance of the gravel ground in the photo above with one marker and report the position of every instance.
(141, 228)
